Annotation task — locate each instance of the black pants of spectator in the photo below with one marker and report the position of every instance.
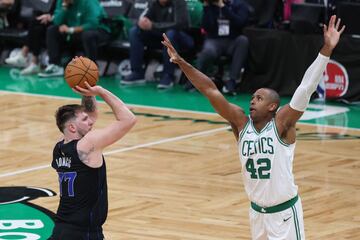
(152, 39)
(213, 49)
(88, 40)
(36, 36)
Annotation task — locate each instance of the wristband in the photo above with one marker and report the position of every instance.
(71, 30)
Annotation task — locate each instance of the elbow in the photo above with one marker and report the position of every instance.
(133, 121)
(123, 126)
(209, 90)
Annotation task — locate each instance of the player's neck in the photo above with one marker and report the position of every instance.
(260, 124)
(70, 137)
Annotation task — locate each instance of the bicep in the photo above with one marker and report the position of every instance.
(231, 112)
(104, 137)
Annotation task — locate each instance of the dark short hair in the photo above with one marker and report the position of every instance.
(65, 113)
(274, 97)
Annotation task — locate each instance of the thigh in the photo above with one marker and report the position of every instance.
(185, 40)
(257, 225)
(99, 36)
(151, 38)
(241, 43)
(287, 224)
(212, 47)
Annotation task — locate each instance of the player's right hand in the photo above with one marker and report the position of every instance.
(174, 56)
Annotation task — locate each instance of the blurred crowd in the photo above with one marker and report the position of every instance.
(209, 33)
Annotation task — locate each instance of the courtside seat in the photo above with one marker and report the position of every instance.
(124, 14)
(306, 18)
(17, 36)
(118, 47)
(128, 19)
(195, 9)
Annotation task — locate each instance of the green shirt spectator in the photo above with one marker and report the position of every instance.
(78, 25)
(80, 13)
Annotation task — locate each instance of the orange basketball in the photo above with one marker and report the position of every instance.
(79, 70)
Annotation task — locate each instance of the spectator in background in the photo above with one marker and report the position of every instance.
(34, 42)
(265, 13)
(287, 8)
(222, 22)
(138, 8)
(6, 4)
(78, 23)
(5, 7)
(164, 16)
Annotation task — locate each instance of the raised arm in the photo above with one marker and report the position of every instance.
(232, 113)
(91, 145)
(90, 106)
(288, 115)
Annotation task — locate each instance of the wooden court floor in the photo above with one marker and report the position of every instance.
(176, 175)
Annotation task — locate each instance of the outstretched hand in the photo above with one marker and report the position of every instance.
(174, 56)
(89, 91)
(332, 32)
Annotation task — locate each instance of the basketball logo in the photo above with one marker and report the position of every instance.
(336, 80)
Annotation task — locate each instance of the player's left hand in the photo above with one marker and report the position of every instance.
(44, 18)
(63, 28)
(332, 32)
(145, 24)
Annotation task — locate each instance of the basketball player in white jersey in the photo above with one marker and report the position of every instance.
(266, 141)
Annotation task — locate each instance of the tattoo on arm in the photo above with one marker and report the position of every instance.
(89, 103)
(84, 156)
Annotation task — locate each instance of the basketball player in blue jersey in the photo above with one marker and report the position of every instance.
(266, 142)
(80, 165)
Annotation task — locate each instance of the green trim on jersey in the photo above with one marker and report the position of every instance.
(242, 133)
(277, 135)
(277, 208)
(263, 129)
(296, 222)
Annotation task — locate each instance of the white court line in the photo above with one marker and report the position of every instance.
(166, 140)
(169, 140)
(24, 171)
(101, 101)
(164, 108)
(146, 144)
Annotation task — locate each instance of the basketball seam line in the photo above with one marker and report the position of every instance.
(87, 70)
(83, 74)
(73, 65)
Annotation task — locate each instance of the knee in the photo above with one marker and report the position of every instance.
(208, 52)
(88, 36)
(242, 41)
(52, 30)
(171, 34)
(133, 32)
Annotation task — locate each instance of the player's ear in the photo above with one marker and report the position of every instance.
(71, 127)
(273, 107)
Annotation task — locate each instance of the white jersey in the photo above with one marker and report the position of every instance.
(266, 165)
